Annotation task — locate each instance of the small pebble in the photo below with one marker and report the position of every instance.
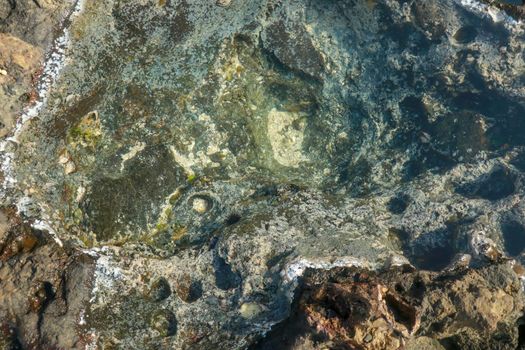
(64, 157)
(250, 310)
(200, 204)
(70, 167)
(70, 99)
(223, 3)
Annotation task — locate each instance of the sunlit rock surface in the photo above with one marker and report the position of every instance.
(201, 156)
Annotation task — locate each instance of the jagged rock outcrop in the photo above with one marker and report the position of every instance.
(352, 308)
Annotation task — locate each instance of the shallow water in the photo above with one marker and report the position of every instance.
(412, 97)
(329, 129)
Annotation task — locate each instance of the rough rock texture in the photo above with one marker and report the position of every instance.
(194, 158)
(27, 29)
(515, 8)
(45, 288)
(358, 309)
(19, 62)
(33, 21)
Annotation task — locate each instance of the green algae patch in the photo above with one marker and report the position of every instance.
(129, 203)
(87, 132)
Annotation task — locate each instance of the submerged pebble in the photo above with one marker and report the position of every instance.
(223, 3)
(250, 310)
(201, 205)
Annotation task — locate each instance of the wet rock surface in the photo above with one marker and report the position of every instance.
(237, 174)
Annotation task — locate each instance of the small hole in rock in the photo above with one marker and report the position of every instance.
(232, 219)
(398, 204)
(403, 312)
(513, 237)
(465, 34)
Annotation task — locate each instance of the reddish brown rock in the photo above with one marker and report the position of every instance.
(357, 309)
(44, 288)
